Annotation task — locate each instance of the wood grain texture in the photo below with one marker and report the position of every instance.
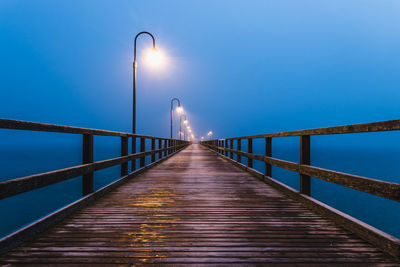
(196, 208)
(54, 128)
(379, 126)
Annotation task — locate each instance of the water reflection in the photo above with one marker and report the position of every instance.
(152, 231)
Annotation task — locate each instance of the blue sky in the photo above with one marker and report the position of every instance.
(239, 67)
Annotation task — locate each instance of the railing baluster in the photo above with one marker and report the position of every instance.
(305, 183)
(153, 147)
(133, 166)
(231, 147)
(268, 153)
(239, 148)
(160, 147)
(165, 146)
(124, 152)
(226, 146)
(87, 157)
(142, 149)
(250, 150)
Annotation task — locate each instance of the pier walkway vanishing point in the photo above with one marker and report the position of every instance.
(196, 207)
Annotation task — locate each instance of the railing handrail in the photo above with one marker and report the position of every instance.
(365, 184)
(390, 125)
(17, 186)
(54, 128)
(20, 185)
(373, 186)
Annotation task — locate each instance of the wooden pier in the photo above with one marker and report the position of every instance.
(192, 205)
(196, 208)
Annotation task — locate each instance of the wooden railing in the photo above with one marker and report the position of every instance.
(373, 186)
(20, 185)
(163, 147)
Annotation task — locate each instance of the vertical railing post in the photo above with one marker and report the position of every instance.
(250, 150)
(268, 153)
(133, 166)
(165, 146)
(231, 147)
(153, 147)
(305, 183)
(124, 152)
(87, 157)
(239, 148)
(226, 146)
(142, 149)
(160, 147)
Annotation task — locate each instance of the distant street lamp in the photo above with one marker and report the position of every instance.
(178, 108)
(180, 127)
(210, 133)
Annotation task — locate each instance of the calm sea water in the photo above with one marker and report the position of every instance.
(373, 155)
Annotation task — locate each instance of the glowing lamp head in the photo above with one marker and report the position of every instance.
(179, 109)
(154, 58)
(185, 121)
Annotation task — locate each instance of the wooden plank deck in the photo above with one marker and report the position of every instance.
(196, 208)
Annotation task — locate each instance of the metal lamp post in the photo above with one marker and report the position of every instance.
(134, 76)
(134, 93)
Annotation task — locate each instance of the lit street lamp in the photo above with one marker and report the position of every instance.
(154, 58)
(210, 133)
(178, 108)
(134, 75)
(180, 127)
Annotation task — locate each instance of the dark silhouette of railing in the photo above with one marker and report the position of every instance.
(165, 148)
(380, 188)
